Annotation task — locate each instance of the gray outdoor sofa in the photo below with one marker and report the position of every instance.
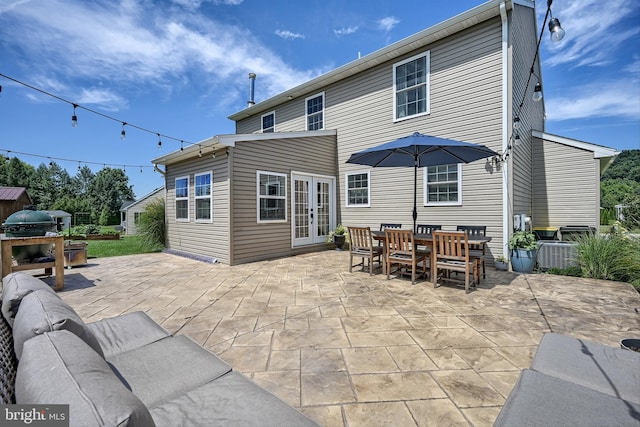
(573, 382)
(122, 371)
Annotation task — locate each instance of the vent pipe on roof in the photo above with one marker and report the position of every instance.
(252, 86)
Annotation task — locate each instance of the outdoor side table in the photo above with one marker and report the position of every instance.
(7, 265)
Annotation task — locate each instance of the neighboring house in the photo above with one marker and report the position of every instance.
(132, 209)
(12, 199)
(280, 184)
(63, 219)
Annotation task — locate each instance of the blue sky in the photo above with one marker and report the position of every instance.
(180, 67)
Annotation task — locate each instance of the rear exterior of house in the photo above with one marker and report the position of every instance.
(463, 79)
(130, 213)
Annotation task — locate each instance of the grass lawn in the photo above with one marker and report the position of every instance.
(127, 245)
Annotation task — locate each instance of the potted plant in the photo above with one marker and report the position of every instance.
(524, 246)
(338, 236)
(502, 263)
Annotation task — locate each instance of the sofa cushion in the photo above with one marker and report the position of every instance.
(43, 311)
(165, 369)
(542, 400)
(8, 364)
(59, 368)
(126, 332)
(609, 370)
(16, 286)
(238, 402)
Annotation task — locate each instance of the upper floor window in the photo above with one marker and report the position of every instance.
(203, 196)
(315, 112)
(358, 189)
(269, 122)
(272, 196)
(443, 185)
(411, 87)
(182, 198)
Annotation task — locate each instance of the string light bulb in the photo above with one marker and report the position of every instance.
(159, 142)
(537, 92)
(123, 134)
(557, 33)
(74, 118)
(200, 150)
(181, 145)
(516, 122)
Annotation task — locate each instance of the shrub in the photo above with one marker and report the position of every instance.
(152, 224)
(569, 271)
(615, 256)
(87, 229)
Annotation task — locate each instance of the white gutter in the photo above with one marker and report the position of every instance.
(505, 129)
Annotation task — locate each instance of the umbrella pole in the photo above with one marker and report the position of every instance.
(415, 194)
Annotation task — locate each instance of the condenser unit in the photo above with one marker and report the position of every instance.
(556, 254)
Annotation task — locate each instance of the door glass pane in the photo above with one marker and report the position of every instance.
(301, 189)
(323, 208)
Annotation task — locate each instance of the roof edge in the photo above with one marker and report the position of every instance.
(599, 151)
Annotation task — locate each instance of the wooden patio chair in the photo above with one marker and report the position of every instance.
(385, 225)
(427, 228)
(400, 248)
(452, 254)
(361, 243)
(478, 252)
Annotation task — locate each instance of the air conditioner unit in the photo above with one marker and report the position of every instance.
(556, 254)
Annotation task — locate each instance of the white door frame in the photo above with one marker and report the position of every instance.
(312, 180)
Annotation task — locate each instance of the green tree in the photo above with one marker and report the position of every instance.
(618, 191)
(625, 166)
(82, 180)
(15, 173)
(108, 189)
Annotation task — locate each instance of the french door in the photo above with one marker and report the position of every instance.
(313, 207)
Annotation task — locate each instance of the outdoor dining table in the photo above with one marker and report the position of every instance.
(427, 240)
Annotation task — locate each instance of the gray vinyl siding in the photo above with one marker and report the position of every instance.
(466, 102)
(523, 35)
(566, 186)
(207, 239)
(138, 208)
(253, 241)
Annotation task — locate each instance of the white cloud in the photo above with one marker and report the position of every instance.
(285, 34)
(131, 44)
(387, 24)
(597, 100)
(593, 31)
(345, 31)
(194, 4)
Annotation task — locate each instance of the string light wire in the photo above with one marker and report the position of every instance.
(90, 110)
(80, 162)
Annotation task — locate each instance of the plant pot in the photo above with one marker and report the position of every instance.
(339, 239)
(632, 344)
(522, 260)
(502, 265)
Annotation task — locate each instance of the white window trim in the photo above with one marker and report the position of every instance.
(210, 197)
(274, 121)
(324, 109)
(346, 189)
(425, 200)
(188, 218)
(427, 54)
(259, 197)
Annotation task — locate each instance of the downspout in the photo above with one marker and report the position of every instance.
(160, 171)
(505, 128)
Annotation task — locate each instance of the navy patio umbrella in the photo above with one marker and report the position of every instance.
(420, 150)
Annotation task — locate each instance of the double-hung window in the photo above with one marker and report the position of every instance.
(269, 122)
(182, 198)
(272, 196)
(203, 196)
(443, 184)
(315, 112)
(358, 189)
(411, 87)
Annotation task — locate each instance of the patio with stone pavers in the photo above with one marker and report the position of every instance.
(349, 349)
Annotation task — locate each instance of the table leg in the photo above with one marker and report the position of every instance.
(59, 254)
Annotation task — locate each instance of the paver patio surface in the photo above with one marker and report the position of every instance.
(350, 349)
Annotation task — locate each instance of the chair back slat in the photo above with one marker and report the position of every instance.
(385, 225)
(360, 237)
(474, 230)
(452, 245)
(399, 242)
(427, 228)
